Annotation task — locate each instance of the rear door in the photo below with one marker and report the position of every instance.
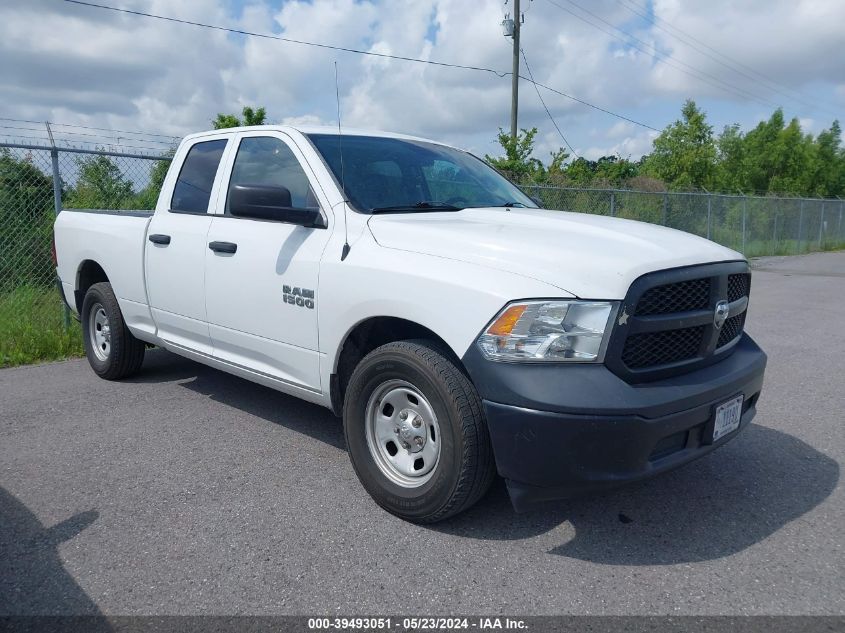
(176, 248)
(262, 299)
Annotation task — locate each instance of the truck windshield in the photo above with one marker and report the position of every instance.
(390, 175)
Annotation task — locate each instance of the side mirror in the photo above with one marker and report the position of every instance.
(265, 202)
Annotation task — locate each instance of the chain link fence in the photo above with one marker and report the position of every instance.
(37, 181)
(752, 225)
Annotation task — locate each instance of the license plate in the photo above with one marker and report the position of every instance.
(728, 415)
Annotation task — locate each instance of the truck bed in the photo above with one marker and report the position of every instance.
(114, 238)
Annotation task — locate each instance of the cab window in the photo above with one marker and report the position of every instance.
(196, 178)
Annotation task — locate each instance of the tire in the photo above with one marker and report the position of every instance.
(110, 347)
(441, 461)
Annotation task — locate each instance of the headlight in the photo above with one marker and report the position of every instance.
(549, 331)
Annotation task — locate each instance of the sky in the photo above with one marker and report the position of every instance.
(84, 66)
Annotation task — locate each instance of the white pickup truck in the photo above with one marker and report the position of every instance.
(458, 329)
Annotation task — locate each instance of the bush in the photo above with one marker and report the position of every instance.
(32, 327)
(26, 223)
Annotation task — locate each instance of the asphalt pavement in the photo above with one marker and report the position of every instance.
(189, 491)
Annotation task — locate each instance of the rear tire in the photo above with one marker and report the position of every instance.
(112, 350)
(416, 433)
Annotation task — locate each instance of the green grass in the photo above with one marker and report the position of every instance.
(762, 248)
(32, 328)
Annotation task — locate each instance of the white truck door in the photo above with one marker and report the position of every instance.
(262, 299)
(176, 248)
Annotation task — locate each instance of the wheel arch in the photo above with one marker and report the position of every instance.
(88, 273)
(371, 333)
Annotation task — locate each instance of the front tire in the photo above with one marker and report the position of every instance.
(112, 351)
(416, 433)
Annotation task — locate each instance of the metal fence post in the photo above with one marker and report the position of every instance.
(821, 225)
(839, 226)
(800, 223)
(709, 212)
(665, 207)
(775, 234)
(744, 214)
(57, 198)
(612, 203)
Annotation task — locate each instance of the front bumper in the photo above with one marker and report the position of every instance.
(562, 430)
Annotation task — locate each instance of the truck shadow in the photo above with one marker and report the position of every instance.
(33, 580)
(715, 507)
(263, 402)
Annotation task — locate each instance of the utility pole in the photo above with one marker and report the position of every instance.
(517, 19)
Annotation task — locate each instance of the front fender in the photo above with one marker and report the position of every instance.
(453, 299)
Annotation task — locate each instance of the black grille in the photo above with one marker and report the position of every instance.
(679, 297)
(731, 329)
(738, 286)
(666, 324)
(662, 348)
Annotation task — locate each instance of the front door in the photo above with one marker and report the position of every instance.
(262, 298)
(176, 248)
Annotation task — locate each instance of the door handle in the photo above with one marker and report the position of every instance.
(158, 238)
(223, 247)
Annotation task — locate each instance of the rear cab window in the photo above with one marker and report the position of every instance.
(192, 191)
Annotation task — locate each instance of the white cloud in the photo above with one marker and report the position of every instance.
(631, 147)
(81, 65)
(306, 119)
(620, 128)
(781, 45)
(807, 124)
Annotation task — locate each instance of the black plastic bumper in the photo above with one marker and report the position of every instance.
(562, 430)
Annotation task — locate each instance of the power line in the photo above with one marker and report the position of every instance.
(117, 138)
(587, 103)
(30, 129)
(661, 57)
(733, 64)
(287, 39)
(35, 138)
(88, 127)
(21, 120)
(360, 52)
(105, 129)
(540, 97)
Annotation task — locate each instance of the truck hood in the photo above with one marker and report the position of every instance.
(588, 256)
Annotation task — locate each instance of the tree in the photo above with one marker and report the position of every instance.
(731, 172)
(778, 157)
(791, 159)
(775, 157)
(684, 153)
(829, 169)
(148, 196)
(26, 222)
(250, 117)
(517, 162)
(557, 168)
(100, 185)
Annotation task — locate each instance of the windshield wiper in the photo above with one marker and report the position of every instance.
(419, 206)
